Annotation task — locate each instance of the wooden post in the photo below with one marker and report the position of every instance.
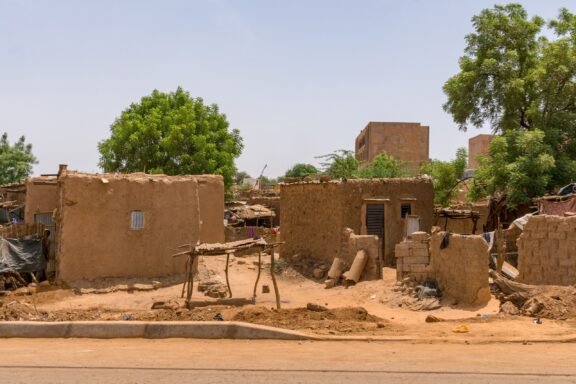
(258, 276)
(276, 292)
(226, 270)
(501, 244)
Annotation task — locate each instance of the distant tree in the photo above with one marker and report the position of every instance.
(383, 166)
(446, 175)
(174, 134)
(517, 78)
(269, 180)
(301, 170)
(340, 164)
(519, 166)
(240, 176)
(16, 160)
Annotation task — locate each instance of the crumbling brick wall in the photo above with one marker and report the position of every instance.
(352, 243)
(413, 258)
(461, 268)
(547, 251)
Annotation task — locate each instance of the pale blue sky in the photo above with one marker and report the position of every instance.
(298, 78)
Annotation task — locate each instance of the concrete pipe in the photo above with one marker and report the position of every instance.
(357, 267)
(336, 269)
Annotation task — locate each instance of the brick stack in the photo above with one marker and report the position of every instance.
(413, 257)
(547, 251)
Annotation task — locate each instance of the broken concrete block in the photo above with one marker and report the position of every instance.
(329, 283)
(318, 273)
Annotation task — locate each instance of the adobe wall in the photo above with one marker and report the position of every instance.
(461, 269)
(408, 142)
(547, 251)
(41, 197)
(95, 239)
(352, 243)
(311, 220)
(419, 192)
(465, 226)
(478, 145)
(314, 214)
(211, 200)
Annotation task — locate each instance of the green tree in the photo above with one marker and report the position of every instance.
(446, 175)
(174, 134)
(16, 160)
(340, 164)
(240, 176)
(383, 166)
(515, 79)
(301, 170)
(519, 165)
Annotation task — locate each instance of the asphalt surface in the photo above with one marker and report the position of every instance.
(242, 361)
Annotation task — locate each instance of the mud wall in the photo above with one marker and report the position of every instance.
(311, 220)
(314, 214)
(95, 239)
(461, 269)
(211, 203)
(417, 192)
(41, 197)
(547, 251)
(465, 226)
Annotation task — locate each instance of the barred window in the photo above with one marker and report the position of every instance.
(137, 220)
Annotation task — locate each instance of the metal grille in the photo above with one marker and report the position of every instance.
(137, 220)
(375, 219)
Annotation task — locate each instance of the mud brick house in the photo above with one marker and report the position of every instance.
(124, 225)
(315, 214)
(408, 142)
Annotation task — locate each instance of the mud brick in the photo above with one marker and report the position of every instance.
(420, 252)
(560, 235)
(417, 260)
(568, 262)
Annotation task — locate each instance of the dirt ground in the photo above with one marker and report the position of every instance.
(368, 308)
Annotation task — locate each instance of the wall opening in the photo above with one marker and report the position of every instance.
(137, 220)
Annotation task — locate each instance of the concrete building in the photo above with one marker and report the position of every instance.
(315, 215)
(124, 225)
(478, 145)
(408, 142)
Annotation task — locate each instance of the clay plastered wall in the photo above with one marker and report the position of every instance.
(478, 145)
(547, 251)
(314, 214)
(461, 269)
(352, 243)
(311, 220)
(418, 192)
(41, 197)
(465, 226)
(95, 239)
(211, 199)
(408, 142)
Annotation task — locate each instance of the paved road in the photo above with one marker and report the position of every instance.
(227, 361)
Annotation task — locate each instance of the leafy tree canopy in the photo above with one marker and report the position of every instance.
(172, 133)
(16, 160)
(340, 164)
(515, 79)
(240, 176)
(519, 165)
(301, 170)
(446, 175)
(383, 166)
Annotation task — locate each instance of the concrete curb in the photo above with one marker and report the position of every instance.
(147, 330)
(211, 330)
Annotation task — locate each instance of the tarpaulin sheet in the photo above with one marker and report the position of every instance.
(548, 207)
(21, 255)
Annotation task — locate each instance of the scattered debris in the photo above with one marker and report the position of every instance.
(462, 328)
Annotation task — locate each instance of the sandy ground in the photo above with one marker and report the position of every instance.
(296, 291)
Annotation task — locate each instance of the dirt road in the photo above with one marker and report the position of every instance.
(220, 361)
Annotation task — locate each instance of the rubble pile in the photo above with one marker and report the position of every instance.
(543, 301)
(416, 296)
